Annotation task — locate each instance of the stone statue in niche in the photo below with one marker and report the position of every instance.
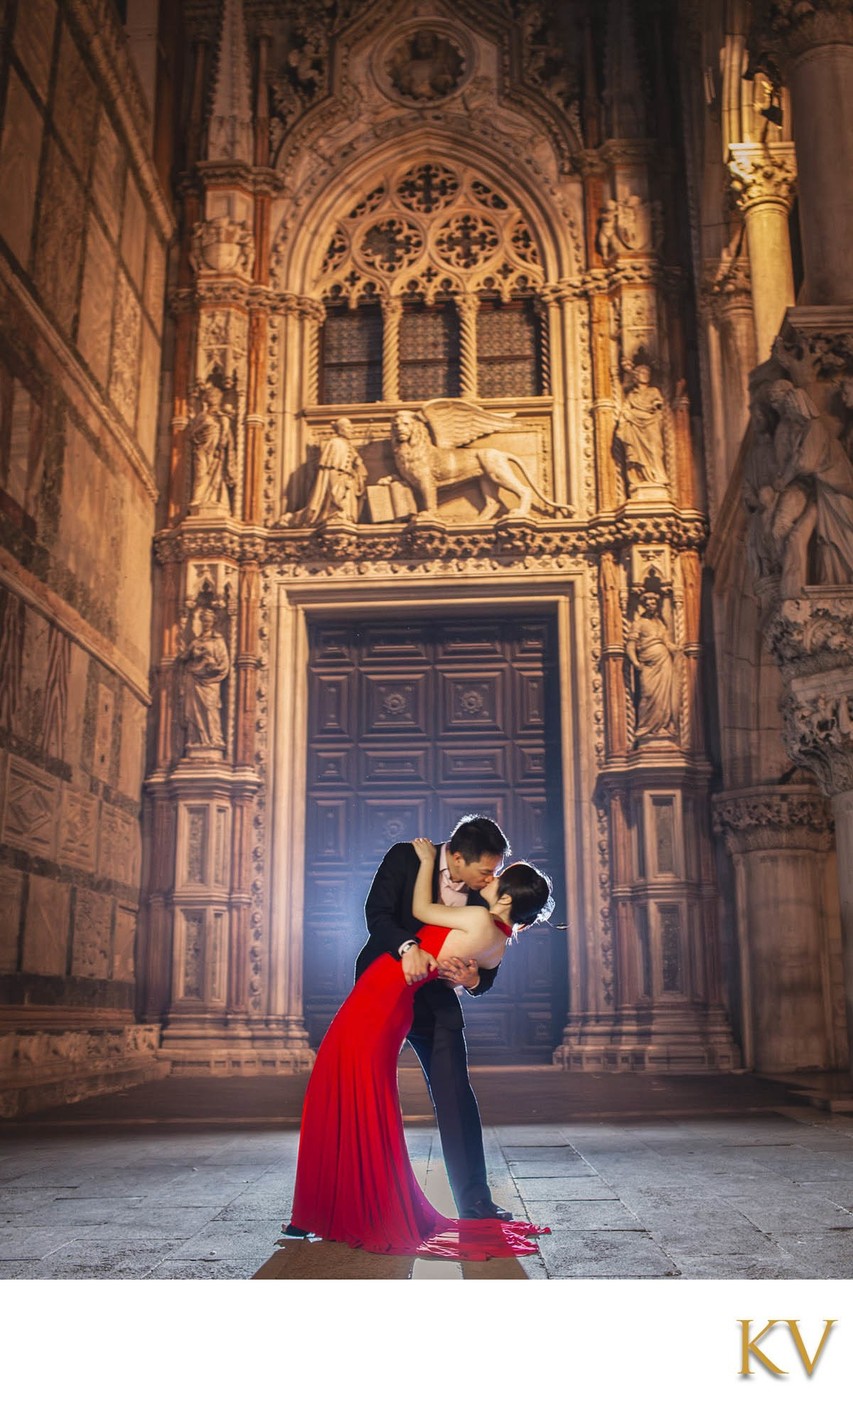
(814, 479)
(628, 226)
(338, 488)
(606, 241)
(425, 66)
(656, 658)
(213, 454)
(638, 440)
(206, 664)
(431, 454)
(760, 494)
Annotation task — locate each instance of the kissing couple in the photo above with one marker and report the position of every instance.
(439, 918)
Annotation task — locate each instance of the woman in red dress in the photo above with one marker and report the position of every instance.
(354, 1179)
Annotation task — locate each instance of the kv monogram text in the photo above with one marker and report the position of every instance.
(749, 1347)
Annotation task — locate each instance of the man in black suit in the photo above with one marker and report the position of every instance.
(463, 865)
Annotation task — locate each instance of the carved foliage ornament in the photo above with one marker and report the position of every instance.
(819, 735)
(785, 29)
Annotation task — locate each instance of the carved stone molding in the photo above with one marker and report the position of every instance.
(762, 174)
(224, 292)
(773, 817)
(328, 549)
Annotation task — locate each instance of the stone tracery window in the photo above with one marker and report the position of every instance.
(429, 283)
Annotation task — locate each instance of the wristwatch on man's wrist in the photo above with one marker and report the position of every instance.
(406, 946)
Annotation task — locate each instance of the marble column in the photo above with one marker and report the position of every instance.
(779, 838)
(762, 178)
(820, 77)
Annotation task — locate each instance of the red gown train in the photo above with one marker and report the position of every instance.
(354, 1180)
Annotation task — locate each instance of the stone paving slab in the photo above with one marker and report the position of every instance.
(735, 1194)
(572, 1189)
(87, 1259)
(603, 1254)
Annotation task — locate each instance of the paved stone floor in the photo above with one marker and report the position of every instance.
(636, 1176)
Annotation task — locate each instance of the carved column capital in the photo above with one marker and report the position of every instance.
(773, 816)
(785, 30)
(726, 286)
(762, 174)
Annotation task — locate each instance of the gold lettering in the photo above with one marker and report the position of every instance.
(808, 1365)
(750, 1347)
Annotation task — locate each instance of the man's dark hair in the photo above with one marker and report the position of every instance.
(474, 837)
(530, 891)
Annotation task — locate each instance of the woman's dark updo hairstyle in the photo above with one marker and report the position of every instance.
(530, 892)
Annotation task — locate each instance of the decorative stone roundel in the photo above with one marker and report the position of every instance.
(392, 244)
(425, 66)
(467, 240)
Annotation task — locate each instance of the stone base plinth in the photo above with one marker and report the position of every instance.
(657, 1041)
(46, 1068)
(227, 1063)
(235, 1047)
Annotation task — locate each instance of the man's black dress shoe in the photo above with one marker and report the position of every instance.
(487, 1208)
(296, 1234)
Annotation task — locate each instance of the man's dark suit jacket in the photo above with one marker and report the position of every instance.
(388, 911)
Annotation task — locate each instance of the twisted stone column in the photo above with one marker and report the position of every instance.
(467, 307)
(392, 311)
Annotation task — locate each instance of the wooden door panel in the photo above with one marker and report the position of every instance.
(412, 725)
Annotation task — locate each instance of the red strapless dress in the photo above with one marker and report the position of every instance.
(354, 1180)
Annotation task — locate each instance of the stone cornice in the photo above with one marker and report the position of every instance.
(773, 816)
(762, 174)
(506, 541)
(218, 291)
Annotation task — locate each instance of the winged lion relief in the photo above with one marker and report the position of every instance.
(433, 457)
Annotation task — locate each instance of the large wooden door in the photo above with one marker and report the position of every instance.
(411, 724)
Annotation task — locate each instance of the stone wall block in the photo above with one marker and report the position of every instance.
(124, 945)
(11, 900)
(19, 166)
(30, 815)
(124, 378)
(59, 237)
(34, 31)
(91, 948)
(119, 849)
(78, 829)
(109, 176)
(96, 302)
(75, 106)
(131, 762)
(46, 927)
(133, 229)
